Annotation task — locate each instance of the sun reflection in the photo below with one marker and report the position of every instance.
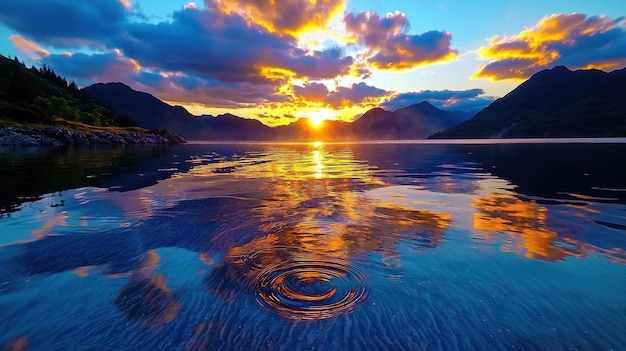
(319, 166)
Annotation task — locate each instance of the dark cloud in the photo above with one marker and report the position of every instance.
(325, 64)
(391, 47)
(357, 93)
(64, 23)
(573, 40)
(449, 99)
(203, 42)
(185, 89)
(177, 87)
(224, 47)
(86, 69)
(314, 92)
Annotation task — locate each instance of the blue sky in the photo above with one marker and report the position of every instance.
(320, 59)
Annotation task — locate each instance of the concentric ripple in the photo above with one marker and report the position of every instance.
(311, 290)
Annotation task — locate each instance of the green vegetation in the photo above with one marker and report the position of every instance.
(38, 96)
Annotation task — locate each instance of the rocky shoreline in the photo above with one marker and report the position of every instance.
(58, 136)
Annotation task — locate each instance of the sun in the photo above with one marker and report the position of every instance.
(318, 116)
(316, 121)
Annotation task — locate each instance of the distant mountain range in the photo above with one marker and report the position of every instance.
(413, 122)
(553, 103)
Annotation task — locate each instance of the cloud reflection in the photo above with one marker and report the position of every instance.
(524, 228)
(315, 225)
(146, 298)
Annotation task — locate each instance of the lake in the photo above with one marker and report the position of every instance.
(315, 246)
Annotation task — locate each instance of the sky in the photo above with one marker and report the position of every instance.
(280, 60)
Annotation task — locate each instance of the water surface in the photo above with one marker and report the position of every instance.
(406, 246)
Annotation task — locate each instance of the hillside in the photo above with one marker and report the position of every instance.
(413, 122)
(554, 103)
(40, 96)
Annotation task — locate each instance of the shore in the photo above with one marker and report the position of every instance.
(61, 136)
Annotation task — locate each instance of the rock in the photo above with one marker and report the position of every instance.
(61, 134)
(162, 139)
(134, 138)
(18, 140)
(80, 138)
(177, 139)
(46, 140)
(57, 136)
(96, 140)
(113, 138)
(9, 131)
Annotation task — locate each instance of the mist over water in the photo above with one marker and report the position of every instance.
(317, 246)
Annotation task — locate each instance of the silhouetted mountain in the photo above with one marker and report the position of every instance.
(150, 112)
(413, 122)
(554, 103)
(417, 121)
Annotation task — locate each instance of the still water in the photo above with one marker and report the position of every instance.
(314, 247)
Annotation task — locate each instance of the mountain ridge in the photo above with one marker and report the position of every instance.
(555, 102)
(416, 121)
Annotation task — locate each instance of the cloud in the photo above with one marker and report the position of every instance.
(64, 23)
(313, 92)
(357, 93)
(282, 16)
(171, 86)
(325, 64)
(573, 40)
(209, 43)
(470, 99)
(104, 67)
(29, 48)
(197, 41)
(126, 4)
(391, 47)
(225, 54)
(238, 95)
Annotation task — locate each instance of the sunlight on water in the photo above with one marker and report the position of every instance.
(316, 246)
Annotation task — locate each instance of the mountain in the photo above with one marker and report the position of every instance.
(150, 112)
(413, 122)
(417, 121)
(553, 103)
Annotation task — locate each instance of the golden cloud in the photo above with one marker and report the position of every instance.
(284, 16)
(390, 47)
(574, 40)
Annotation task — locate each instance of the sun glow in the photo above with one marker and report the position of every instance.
(316, 121)
(318, 116)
